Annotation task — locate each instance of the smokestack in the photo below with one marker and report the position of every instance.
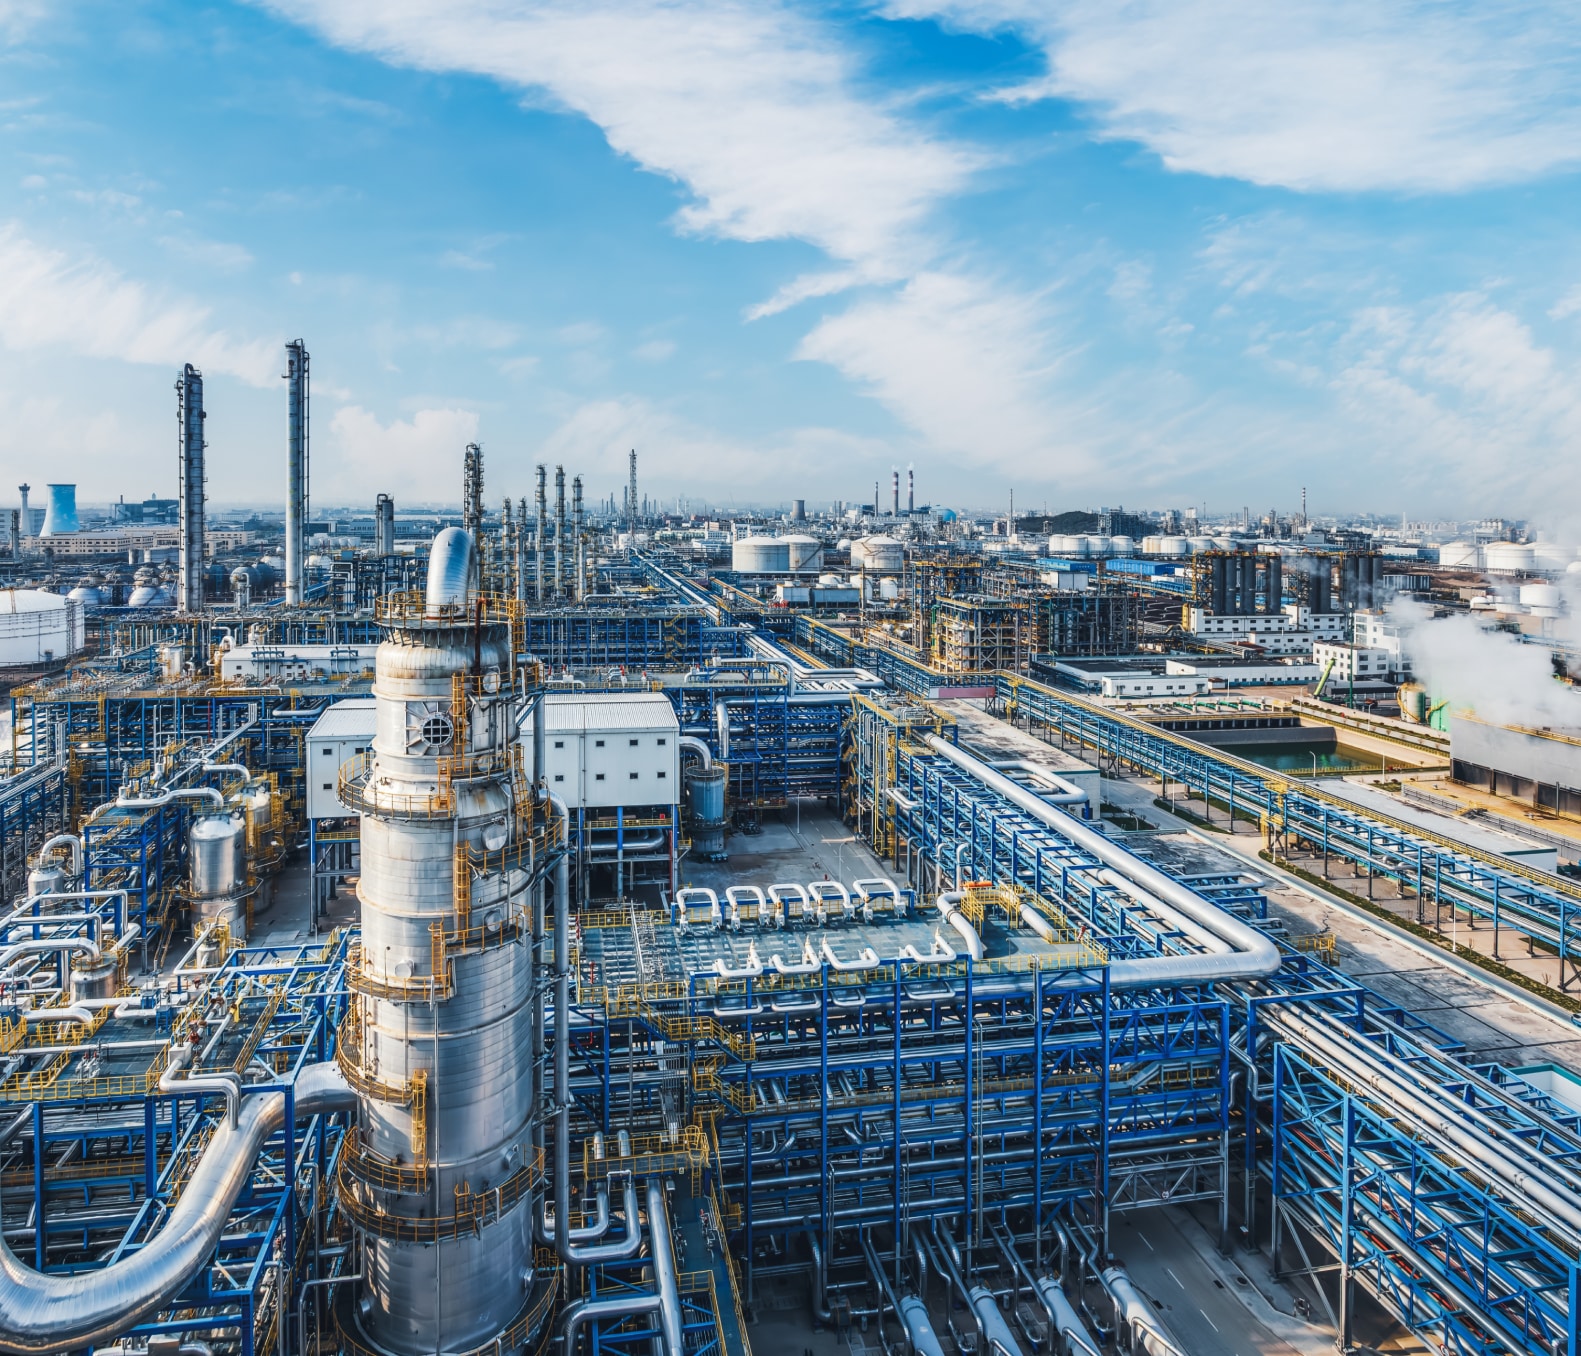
(543, 531)
(296, 468)
(894, 477)
(799, 511)
(507, 548)
(472, 493)
(631, 494)
(27, 523)
(576, 535)
(911, 489)
(521, 549)
(189, 488)
(559, 532)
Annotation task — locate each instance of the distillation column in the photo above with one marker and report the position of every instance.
(559, 533)
(189, 416)
(577, 532)
(539, 542)
(296, 375)
(442, 1177)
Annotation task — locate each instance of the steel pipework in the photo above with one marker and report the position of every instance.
(1252, 954)
(42, 1313)
(1136, 1315)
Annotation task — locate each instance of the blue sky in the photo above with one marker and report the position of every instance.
(1136, 251)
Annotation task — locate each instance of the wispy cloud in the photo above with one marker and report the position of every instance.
(399, 456)
(1319, 95)
(220, 255)
(48, 299)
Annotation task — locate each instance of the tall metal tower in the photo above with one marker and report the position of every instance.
(472, 492)
(540, 542)
(577, 534)
(631, 495)
(559, 533)
(296, 468)
(189, 424)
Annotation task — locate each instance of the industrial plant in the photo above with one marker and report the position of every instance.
(559, 923)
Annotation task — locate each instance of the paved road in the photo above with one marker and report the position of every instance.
(1206, 1316)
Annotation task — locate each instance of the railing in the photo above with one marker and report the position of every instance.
(683, 1026)
(412, 606)
(412, 1092)
(651, 1156)
(472, 1210)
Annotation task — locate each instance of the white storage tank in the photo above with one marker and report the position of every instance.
(1065, 545)
(1097, 547)
(1551, 558)
(38, 627)
(878, 555)
(1199, 544)
(87, 593)
(1540, 596)
(1173, 546)
(806, 553)
(1122, 547)
(1508, 557)
(760, 555)
(1224, 543)
(888, 590)
(1460, 555)
(1152, 546)
(149, 595)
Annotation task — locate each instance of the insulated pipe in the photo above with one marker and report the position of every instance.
(1037, 922)
(820, 1297)
(126, 802)
(662, 1250)
(692, 744)
(44, 1313)
(1068, 794)
(584, 1312)
(1254, 954)
(228, 1085)
(70, 840)
(41, 946)
(722, 720)
(582, 1233)
(1137, 1316)
(961, 923)
(450, 565)
(1051, 1295)
(245, 773)
(1205, 938)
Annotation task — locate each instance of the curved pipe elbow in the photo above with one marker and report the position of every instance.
(692, 744)
(616, 1249)
(69, 840)
(42, 1312)
(450, 569)
(947, 906)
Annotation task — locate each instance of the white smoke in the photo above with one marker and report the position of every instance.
(1494, 674)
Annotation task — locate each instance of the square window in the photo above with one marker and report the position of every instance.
(328, 786)
(633, 776)
(661, 776)
(559, 743)
(598, 776)
(598, 743)
(559, 776)
(633, 743)
(327, 752)
(661, 743)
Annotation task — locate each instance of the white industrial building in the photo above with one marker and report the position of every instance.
(612, 749)
(295, 663)
(39, 628)
(344, 731)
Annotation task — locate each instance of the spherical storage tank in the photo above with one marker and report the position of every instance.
(806, 553)
(878, 555)
(760, 555)
(1508, 557)
(87, 593)
(38, 627)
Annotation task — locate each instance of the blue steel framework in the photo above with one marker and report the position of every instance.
(32, 809)
(100, 1155)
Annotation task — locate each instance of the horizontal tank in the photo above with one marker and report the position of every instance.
(760, 555)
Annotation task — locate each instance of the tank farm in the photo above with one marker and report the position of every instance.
(536, 1075)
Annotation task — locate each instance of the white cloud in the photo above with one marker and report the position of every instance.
(1322, 95)
(749, 104)
(962, 363)
(219, 255)
(403, 457)
(655, 350)
(48, 299)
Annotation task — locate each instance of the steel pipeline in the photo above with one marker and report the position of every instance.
(1253, 955)
(42, 1313)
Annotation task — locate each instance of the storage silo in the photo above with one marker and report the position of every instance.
(1551, 558)
(1173, 546)
(1460, 555)
(760, 555)
(1152, 546)
(806, 554)
(1122, 547)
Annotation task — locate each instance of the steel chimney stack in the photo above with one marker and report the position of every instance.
(559, 532)
(189, 489)
(296, 468)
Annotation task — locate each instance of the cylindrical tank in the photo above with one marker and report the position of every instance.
(1064, 544)
(1122, 546)
(1195, 544)
(1508, 557)
(94, 978)
(1545, 596)
(806, 554)
(1550, 557)
(1224, 543)
(1152, 546)
(60, 511)
(1413, 702)
(172, 658)
(217, 872)
(38, 627)
(888, 590)
(878, 555)
(1173, 546)
(832, 581)
(1460, 555)
(760, 555)
(1098, 547)
(46, 880)
(259, 808)
(705, 794)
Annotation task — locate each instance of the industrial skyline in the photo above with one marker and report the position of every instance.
(958, 235)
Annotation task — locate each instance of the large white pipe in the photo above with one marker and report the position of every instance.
(1253, 955)
(1138, 1317)
(449, 570)
(948, 905)
(42, 1313)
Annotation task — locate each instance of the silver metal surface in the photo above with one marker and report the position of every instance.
(296, 469)
(450, 561)
(49, 1313)
(217, 863)
(189, 489)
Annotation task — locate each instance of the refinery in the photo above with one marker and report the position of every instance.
(555, 923)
